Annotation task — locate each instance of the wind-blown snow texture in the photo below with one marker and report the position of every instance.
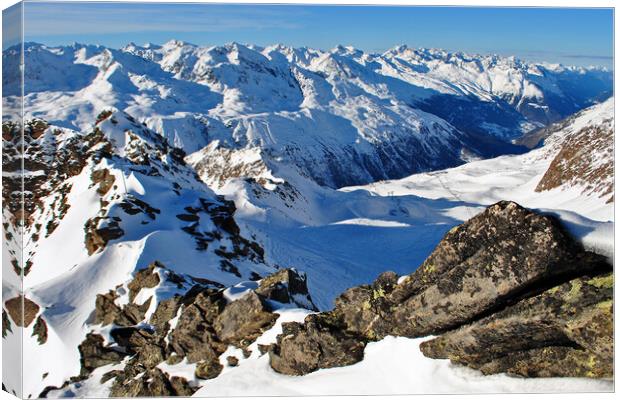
(277, 130)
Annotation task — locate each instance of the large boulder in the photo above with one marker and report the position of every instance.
(108, 312)
(99, 231)
(366, 310)
(501, 255)
(244, 320)
(94, 354)
(564, 331)
(144, 278)
(194, 336)
(501, 259)
(166, 310)
(320, 342)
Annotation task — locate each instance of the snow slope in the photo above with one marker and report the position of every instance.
(347, 237)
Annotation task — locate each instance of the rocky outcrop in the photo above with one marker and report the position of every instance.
(104, 179)
(287, 286)
(108, 312)
(206, 326)
(99, 231)
(40, 330)
(150, 383)
(144, 278)
(320, 342)
(585, 161)
(243, 320)
(493, 259)
(94, 354)
(565, 331)
(198, 324)
(495, 268)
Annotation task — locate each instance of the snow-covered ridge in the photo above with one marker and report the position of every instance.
(309, 107)
(102, 204)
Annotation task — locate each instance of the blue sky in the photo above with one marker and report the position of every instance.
(569, 36)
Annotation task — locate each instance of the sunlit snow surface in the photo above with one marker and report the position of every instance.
(391, 366)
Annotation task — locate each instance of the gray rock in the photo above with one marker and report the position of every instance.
(152, 383)
(93, 354)
(144, 278)
(565, 331)
(208, 369)
(244, 320)
(321, 342)
(484, 264)
(287, 286)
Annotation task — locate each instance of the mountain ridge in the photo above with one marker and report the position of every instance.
(394, 113)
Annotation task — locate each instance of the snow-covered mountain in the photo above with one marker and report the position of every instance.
(163, 185)
(572, 170)
(152, 230)
(404, 111)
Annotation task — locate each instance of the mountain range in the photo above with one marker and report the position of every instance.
(342, 117)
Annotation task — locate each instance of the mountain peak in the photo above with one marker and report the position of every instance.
(178, 43)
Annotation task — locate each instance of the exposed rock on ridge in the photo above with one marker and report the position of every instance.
(507, 266)
(205, 324)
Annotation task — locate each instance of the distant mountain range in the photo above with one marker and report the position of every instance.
(342, 117)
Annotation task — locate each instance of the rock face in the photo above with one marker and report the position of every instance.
(490, 260)
(93, 354)
(151, 383)
(585, 160)
(508, 291)
(321, 342)
(564, 331)
(243, 320)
